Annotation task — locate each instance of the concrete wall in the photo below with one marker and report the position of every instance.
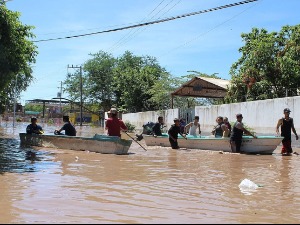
(140, 118)
(261, 115)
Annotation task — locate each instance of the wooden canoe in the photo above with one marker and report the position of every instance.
(99, 143)
(259, 145)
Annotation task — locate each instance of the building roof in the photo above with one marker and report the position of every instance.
(203, 87)
(45, 101)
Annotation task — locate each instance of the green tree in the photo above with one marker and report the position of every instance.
(31, 107)
(17, 53)
(97, 81)
(134, 76)
(269, 66)
(161, 90)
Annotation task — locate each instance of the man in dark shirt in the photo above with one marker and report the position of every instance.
(156, 129)
(287, 125)
(237, 134)
(67, 127)
(33, 128)
(173, 134)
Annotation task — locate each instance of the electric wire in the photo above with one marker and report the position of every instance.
(151, 22)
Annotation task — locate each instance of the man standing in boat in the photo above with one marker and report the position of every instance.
(173, 134)
(192, 127)
(237, 134)
(287, 125)
(114, 125)
(68, 127)
(34, 128)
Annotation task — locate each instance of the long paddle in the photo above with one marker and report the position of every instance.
(135, 140)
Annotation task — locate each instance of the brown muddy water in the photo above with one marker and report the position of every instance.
(159, 185)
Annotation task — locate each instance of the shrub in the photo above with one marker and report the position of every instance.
(130, 126)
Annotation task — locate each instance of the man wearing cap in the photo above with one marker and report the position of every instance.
(237, 134)
(67, 127)
(173, 134)
(287, 125)
(114, 125)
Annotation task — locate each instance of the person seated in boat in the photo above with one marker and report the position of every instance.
(114, 125)
(237, 134)
(182, 125)
(156, 129)
(228, 125)
(192, 127)
(220, 130)
(34, 128)
(173, 134)
(68, 127)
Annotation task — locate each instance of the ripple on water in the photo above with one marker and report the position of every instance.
(16, 159)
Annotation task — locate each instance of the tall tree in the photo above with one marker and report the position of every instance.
(134, 76)
(17, 53)
(97, 81)
(269, 66)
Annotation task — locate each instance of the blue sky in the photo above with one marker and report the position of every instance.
(206, 43)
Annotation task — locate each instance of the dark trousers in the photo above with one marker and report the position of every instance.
(236, 145)
(174, 144)
(286, 146)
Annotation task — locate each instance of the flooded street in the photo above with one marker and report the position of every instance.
(159, 185)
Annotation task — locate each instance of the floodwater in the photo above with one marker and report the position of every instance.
(159, 185)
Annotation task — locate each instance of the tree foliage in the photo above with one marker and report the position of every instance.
(17, 53)
(269, 66)
(125, 82)
(134, 76)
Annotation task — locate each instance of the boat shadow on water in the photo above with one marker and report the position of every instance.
(15, 158)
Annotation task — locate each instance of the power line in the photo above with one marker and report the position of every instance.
(129, 34)
(135, 33)
(152, 22)
(198, 36)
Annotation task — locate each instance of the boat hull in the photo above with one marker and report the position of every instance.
(99, 143)
(259, 145)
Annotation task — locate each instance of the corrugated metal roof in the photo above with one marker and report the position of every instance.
(205, 87)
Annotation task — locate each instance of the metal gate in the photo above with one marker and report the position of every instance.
(187, 114)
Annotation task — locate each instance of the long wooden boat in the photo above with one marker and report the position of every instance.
(99, 143)
(259, 145)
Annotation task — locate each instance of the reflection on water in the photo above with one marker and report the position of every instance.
(14, 158)
(159, 185)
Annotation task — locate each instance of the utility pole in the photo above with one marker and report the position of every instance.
(60, 96)
(80, 73)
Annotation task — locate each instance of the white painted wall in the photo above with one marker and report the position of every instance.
(140, 118)
(261, 115)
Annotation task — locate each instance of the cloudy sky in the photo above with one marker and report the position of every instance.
(206, 42)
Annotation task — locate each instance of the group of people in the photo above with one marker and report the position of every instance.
(68, 127)
(114, 126)
(224, 129)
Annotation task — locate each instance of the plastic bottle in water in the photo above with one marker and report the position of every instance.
(246, 183)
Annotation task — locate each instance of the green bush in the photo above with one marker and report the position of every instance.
(130, 126)
(250, 129)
